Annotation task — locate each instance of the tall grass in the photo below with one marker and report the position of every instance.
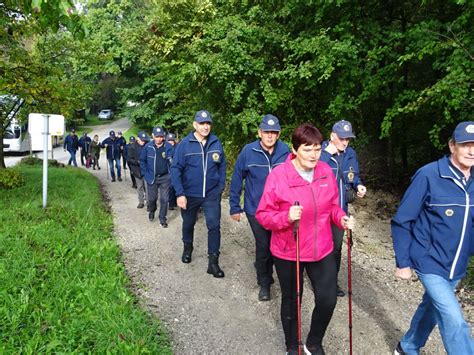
(63, 287)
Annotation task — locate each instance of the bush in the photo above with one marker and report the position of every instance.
(10, 179)
(30, 160)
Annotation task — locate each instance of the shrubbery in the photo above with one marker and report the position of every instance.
(10, 179)
(30, 160)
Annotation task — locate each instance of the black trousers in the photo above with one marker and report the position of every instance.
(263, 257)
(322, 275)
(337, 237)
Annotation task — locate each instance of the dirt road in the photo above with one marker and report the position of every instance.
(205, 315)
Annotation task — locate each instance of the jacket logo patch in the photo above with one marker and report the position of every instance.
(215, 157)
(449, 212)
(350, 174)
(163, 155)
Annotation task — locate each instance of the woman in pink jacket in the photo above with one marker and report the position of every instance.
(305, 179)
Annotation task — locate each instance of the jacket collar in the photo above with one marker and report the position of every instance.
(295, 179)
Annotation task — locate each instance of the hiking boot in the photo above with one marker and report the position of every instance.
(134, 186)
(164, 225)
(213, 267)
(264, 293)
(113, 179)
(140, 205)
(119, 178)
(187, 253)
(151, 216)
(340, 292)
(398, 350)
(314, 350)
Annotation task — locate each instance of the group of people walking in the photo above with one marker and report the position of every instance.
(306, 191)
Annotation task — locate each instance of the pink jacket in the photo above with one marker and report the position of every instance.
(320, 204)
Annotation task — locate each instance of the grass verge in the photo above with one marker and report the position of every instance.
(63, 286)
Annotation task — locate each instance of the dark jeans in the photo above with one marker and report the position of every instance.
(337, 237)
(72, 157)
(263, 257)
(322, 275)
(83, 156)
(134, 181)
(95, 161)
(211, 205)
(111, 166)
(161, 184)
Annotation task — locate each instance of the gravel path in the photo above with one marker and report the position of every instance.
(205, 315)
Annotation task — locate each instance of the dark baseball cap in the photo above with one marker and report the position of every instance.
(343, 129)
(270, 123)
(203, 116)
(464, 132)
(143, 136)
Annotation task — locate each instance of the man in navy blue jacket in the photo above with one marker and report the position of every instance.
(113, 147)
(198, 176)
(255, 161)
(155, 160)
(71, 144)
(344, 164)
(433, 233)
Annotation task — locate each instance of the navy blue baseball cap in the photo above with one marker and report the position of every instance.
(143, 136)
(112, 133)
(343, 129)
(158, 132)
(464, 132)
(170, 137)
(270, 123)
(203, 116)
(132, 139)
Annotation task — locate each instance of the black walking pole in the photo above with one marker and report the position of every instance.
(298, 281)
(349, 284)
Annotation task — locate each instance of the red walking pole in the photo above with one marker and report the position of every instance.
(349, 284)
(298, 282)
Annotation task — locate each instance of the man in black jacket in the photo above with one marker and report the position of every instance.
(133, 159)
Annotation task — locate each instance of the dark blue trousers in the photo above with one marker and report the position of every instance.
(211, 206)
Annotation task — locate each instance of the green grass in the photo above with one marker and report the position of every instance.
(63, 285)
(93, 120)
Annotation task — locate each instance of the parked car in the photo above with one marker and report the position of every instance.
(106, 114)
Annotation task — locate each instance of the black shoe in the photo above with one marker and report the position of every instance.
(264, 293)
(119, 178)
(134, 186)
(314, 350)
(151, 216)
(164, 225)
(140, 205)
(213, 267)
(340, 292)
(398, 350)
(98, 168)
(93, 168)
(187, 253)
(113, 179)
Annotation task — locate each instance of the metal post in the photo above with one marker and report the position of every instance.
(45, 159)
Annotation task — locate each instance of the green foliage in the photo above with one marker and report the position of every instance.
(64, 287)
(10, 179)
(31, 160)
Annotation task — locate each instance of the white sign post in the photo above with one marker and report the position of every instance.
(53, 125)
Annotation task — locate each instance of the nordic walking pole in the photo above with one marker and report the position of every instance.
(298, 281)
(349, 284)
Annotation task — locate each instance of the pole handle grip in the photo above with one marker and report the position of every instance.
(297, 223)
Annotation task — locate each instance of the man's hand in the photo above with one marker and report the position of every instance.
(331, 148)
(182, 202)
(236, 217)
(361, 191)
(404, 273)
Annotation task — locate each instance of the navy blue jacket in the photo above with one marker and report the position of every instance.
(113, 147)
(346, 172)
(85, 143)
(196, 170)
(432, 230)
(253, 166)
(123, 144)
(71, 143)
(150, 162)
